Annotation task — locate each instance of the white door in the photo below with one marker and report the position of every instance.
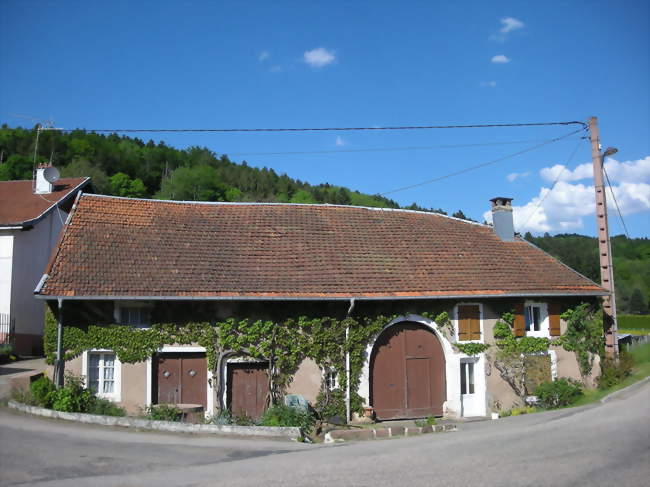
(469, 393)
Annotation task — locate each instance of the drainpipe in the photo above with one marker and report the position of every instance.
(59, 367)
(347, 365)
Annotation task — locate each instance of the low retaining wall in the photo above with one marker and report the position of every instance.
(128, 422)
(390, 432)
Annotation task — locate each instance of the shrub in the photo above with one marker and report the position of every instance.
(517, 411)
(428, 421)
(559, 393)
(614, 372)
(105, 407)
(281, 415)
(221, 418)
(73, 397)
(43, 391)
(163, 412)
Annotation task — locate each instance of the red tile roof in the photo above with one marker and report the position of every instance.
(118, 247)
(19, 205)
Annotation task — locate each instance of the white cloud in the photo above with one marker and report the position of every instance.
(500, 59)
(564, 208)
(340, 142)
(509, 24)
(489, 84)
(618, 172)
(319, 57)
(513, 176)
(264, 55)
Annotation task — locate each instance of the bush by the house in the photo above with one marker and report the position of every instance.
(281, 415)
(428, 421)
(73, 397)
(613, 372)
(7, 353)
(558, 393)
(517, 411)
(163, 412)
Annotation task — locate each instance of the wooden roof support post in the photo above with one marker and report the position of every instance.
(59, 367)
(604, 244)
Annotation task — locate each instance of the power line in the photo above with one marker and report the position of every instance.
(325, 129)
(478, 166)
(383, 149)
(557, 179)
(620, 215)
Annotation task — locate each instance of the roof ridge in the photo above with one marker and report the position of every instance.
(260, 203)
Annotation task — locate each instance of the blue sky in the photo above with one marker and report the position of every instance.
(307, 64)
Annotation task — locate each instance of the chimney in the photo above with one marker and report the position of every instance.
(43, 186)
(502, 218)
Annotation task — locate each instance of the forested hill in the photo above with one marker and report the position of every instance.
(126, 166)
(631, 264)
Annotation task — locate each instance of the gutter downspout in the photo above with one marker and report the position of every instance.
(347, 365)
(59, 366)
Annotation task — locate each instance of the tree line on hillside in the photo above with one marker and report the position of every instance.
(126, 166)
(631, 264)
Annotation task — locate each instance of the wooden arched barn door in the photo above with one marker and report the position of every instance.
(407, 373)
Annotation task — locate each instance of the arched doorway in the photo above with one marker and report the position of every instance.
(407, 373)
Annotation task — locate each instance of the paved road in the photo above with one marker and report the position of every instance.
(605, 445)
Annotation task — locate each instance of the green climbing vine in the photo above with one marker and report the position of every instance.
(284, 344)
(584, 336)
(472, 348)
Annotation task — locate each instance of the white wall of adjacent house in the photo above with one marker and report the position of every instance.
(31, 252)
(6, 254)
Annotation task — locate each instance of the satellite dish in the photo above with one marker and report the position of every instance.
(51, 174)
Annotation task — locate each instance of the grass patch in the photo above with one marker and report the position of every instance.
(634, 324)
(641, 370)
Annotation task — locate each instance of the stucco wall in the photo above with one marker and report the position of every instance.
(306, 381)
(6, 252)
(31, 252)
(134, 386)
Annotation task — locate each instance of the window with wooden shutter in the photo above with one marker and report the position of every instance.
(519, 328)
(469, 322)
(554, 319)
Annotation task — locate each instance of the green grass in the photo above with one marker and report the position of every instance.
(634, 324)
(641, 370)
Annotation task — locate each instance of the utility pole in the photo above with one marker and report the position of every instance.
(604, 244)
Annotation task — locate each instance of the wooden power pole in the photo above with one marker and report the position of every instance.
(604, 244)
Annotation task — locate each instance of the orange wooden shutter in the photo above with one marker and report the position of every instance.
(475, 323)
(463, 323)
(519, 328)
(554, 319)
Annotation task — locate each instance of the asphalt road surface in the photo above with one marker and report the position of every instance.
(603, 445)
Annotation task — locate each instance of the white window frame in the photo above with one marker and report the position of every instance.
(456, 325)
(116, 395)
(468, 363)
(544, 331)
(120, 305)
(327, 371)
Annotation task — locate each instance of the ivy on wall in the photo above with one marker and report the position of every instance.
(283, 344)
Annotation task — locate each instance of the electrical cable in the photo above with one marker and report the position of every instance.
(324, 129)
(618, 209)
(484, 164)
(557, 179)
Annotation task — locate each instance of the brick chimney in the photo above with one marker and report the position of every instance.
(502, 219)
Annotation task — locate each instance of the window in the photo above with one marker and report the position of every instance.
(467, 378)
(468, 317)
(133, 314)
(331, 379)
(103, 374)
(533, 318)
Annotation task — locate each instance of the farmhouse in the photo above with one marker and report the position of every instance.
(263, 299)
(32, 214)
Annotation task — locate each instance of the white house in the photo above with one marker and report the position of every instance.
(32, 214)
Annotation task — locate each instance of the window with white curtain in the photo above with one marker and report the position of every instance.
(102, 376)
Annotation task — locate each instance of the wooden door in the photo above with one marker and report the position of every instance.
(248, 387)
(182, 378)
(407, 373)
